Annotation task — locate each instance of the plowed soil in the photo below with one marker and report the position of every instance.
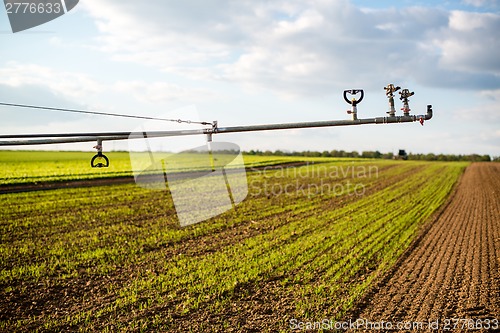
(452, 269)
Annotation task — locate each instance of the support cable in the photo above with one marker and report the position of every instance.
(102, 113)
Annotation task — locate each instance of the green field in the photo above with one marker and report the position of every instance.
(27, 167)
(18, 167)
(306, 243)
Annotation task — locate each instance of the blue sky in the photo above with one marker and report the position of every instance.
(254, 62)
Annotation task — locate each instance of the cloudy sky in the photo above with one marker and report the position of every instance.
(254, 62)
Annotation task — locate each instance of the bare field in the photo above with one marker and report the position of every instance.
(453, 269)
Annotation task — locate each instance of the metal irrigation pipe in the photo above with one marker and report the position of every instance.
(40, 139)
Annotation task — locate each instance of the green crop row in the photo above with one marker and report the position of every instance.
(315, 235)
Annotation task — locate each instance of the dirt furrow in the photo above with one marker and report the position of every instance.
(452, 271)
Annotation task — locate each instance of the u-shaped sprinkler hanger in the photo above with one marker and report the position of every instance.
(353, 101)
(99, 160)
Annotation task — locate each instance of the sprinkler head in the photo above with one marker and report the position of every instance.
(391, 89)
(405, 94)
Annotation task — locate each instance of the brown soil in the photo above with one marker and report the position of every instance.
(452, 269)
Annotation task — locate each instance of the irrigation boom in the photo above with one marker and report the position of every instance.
(42, 139)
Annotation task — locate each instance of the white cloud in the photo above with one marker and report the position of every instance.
(491, 94)
(78, 86)
(159, 91)
(67, 84)
(471, 43)
(151, 33)
(303, 47)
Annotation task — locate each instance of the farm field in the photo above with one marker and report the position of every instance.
(29, 167)
(307, 243)
(453, 273)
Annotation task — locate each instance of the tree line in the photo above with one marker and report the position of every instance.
(377, 154)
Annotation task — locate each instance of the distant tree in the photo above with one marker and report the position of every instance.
(366, 154)
(314, 154)
(376, 154)
(388, 156)
(371, 154)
